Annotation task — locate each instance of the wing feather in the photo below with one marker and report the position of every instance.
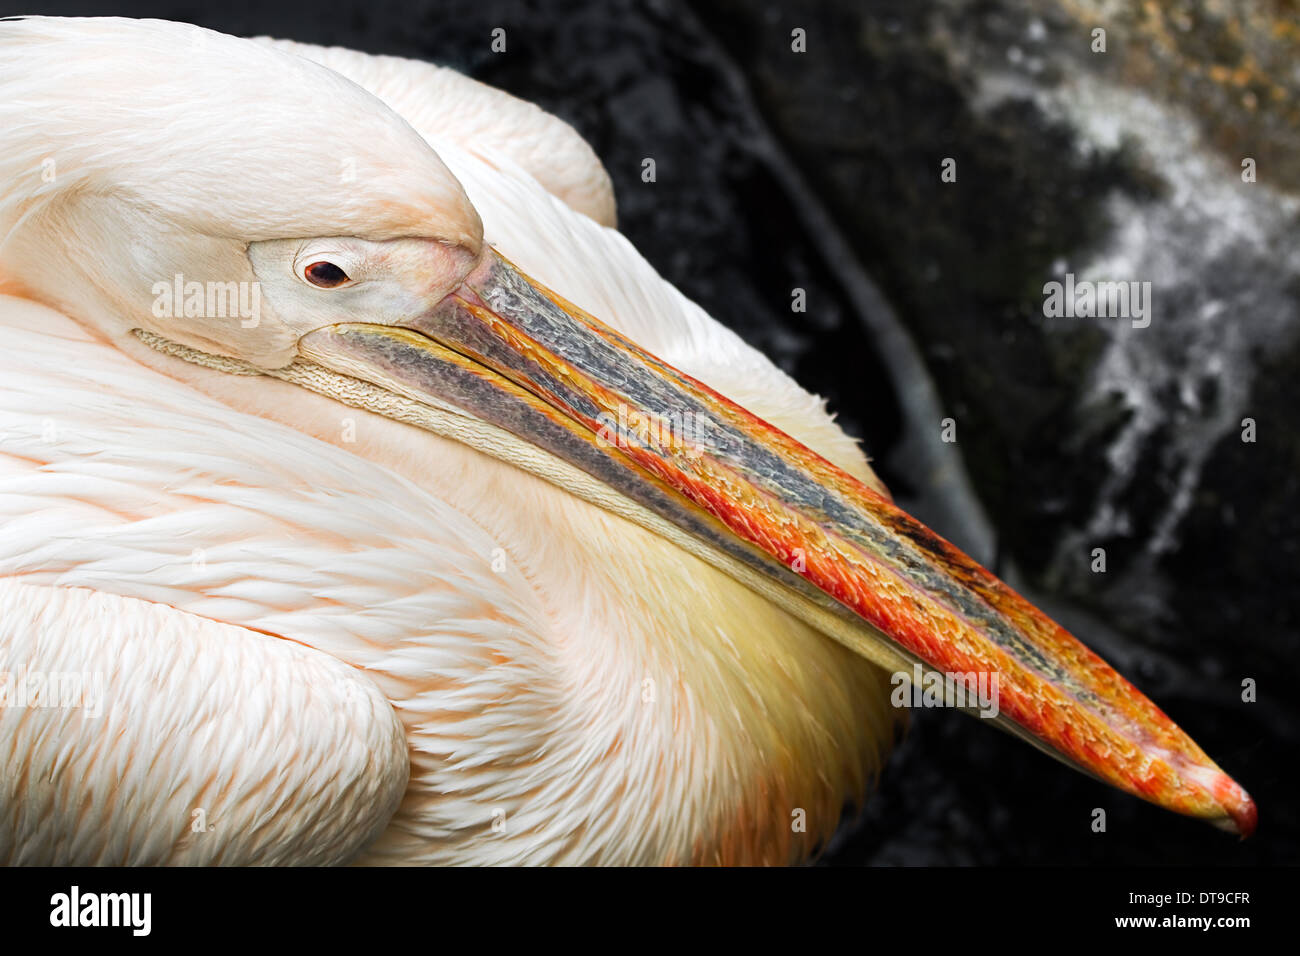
(133, 733)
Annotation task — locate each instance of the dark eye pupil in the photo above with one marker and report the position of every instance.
(325, 274)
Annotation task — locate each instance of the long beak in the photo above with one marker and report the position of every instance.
(506, 351)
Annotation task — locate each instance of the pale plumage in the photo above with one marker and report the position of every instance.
(597, 687)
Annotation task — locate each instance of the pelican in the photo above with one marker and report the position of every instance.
(367, 498)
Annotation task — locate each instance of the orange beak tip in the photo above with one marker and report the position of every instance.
(1245, 816)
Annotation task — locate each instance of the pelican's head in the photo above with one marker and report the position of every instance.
(217, 160)
(373, 284)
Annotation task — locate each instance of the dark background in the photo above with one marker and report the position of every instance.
(820, 171)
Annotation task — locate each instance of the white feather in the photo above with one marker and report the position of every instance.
(572, 688)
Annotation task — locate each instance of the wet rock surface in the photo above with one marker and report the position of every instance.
(778, 170)
(1086, 433)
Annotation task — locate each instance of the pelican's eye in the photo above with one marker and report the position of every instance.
(326, 275)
